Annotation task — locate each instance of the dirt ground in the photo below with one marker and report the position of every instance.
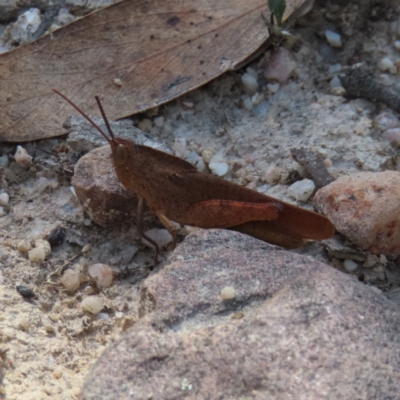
(48, 344)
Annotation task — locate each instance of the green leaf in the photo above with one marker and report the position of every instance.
(277, 7)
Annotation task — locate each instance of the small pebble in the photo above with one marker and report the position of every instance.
(57, 374)
(24, 324)
(386, 120)
(228, 293)
(371, 261)
(335, 82)
(333, 38)
(386, 64)
(10, 175)
(207, 155)
(302, 190)
(25, 292)
(188, 104)
(56, 236)
(161, 236)
(281, 66)
(4, 199)
(180, 147)
(385, 79)
(397, 44)
(24, 246)
(117, 82)
(71, 280)
(393, 136)
(86, 248)
(22, 158)
(38, 254)
(350, 265)
(247, 103)
(93, 304)
(159, 122)
(250, 84)
(26, 24)
(45, 245)
(145, 125)
(4, 161)
(335, 68)
(261, 109)
(43, 183)
(102, 274)
(272, 175)
(273, 87)
(219, 168)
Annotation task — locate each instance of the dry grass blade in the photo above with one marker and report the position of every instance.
(158, 50)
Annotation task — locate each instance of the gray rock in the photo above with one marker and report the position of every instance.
(297, 329)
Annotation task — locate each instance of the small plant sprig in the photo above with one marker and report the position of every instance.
(277, 37)
(277, 8)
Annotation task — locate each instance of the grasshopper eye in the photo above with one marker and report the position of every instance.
(121, 154)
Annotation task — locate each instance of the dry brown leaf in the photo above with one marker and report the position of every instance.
(158, 50)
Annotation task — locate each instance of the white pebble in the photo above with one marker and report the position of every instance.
(385, 79)
(228, 293)
(335, 68)
(386, 64)
(335, 82)
(4, 199)
(250, 84)
(179, 147)
(161, 236)
(117, 82)
(333, 38)
(397, 44)
(37, 255)
(71, 280)
(26, 24)
(4, 161)
(44, 183)
(273, 87)
(261, 109)
(159, 122)
(252, 72)
(217, 164)
(24, 246)
(22, 157)
(350, 265)
(93, 304)
(1, 211)
(102, 274)
(302, 190)
(247, 103)
(273, 174)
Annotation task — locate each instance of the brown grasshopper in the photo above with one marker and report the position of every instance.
(176, 191)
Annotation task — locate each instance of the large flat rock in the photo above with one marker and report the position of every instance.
(297, 329)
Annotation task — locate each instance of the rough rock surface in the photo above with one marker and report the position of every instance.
(365, 207)
(297, 328)
(102, 196)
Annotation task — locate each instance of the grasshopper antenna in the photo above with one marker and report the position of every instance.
(88, 118)
(104, 117)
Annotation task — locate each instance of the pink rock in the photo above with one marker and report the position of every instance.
(365, 207)
(281, 66)
(393, 136)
